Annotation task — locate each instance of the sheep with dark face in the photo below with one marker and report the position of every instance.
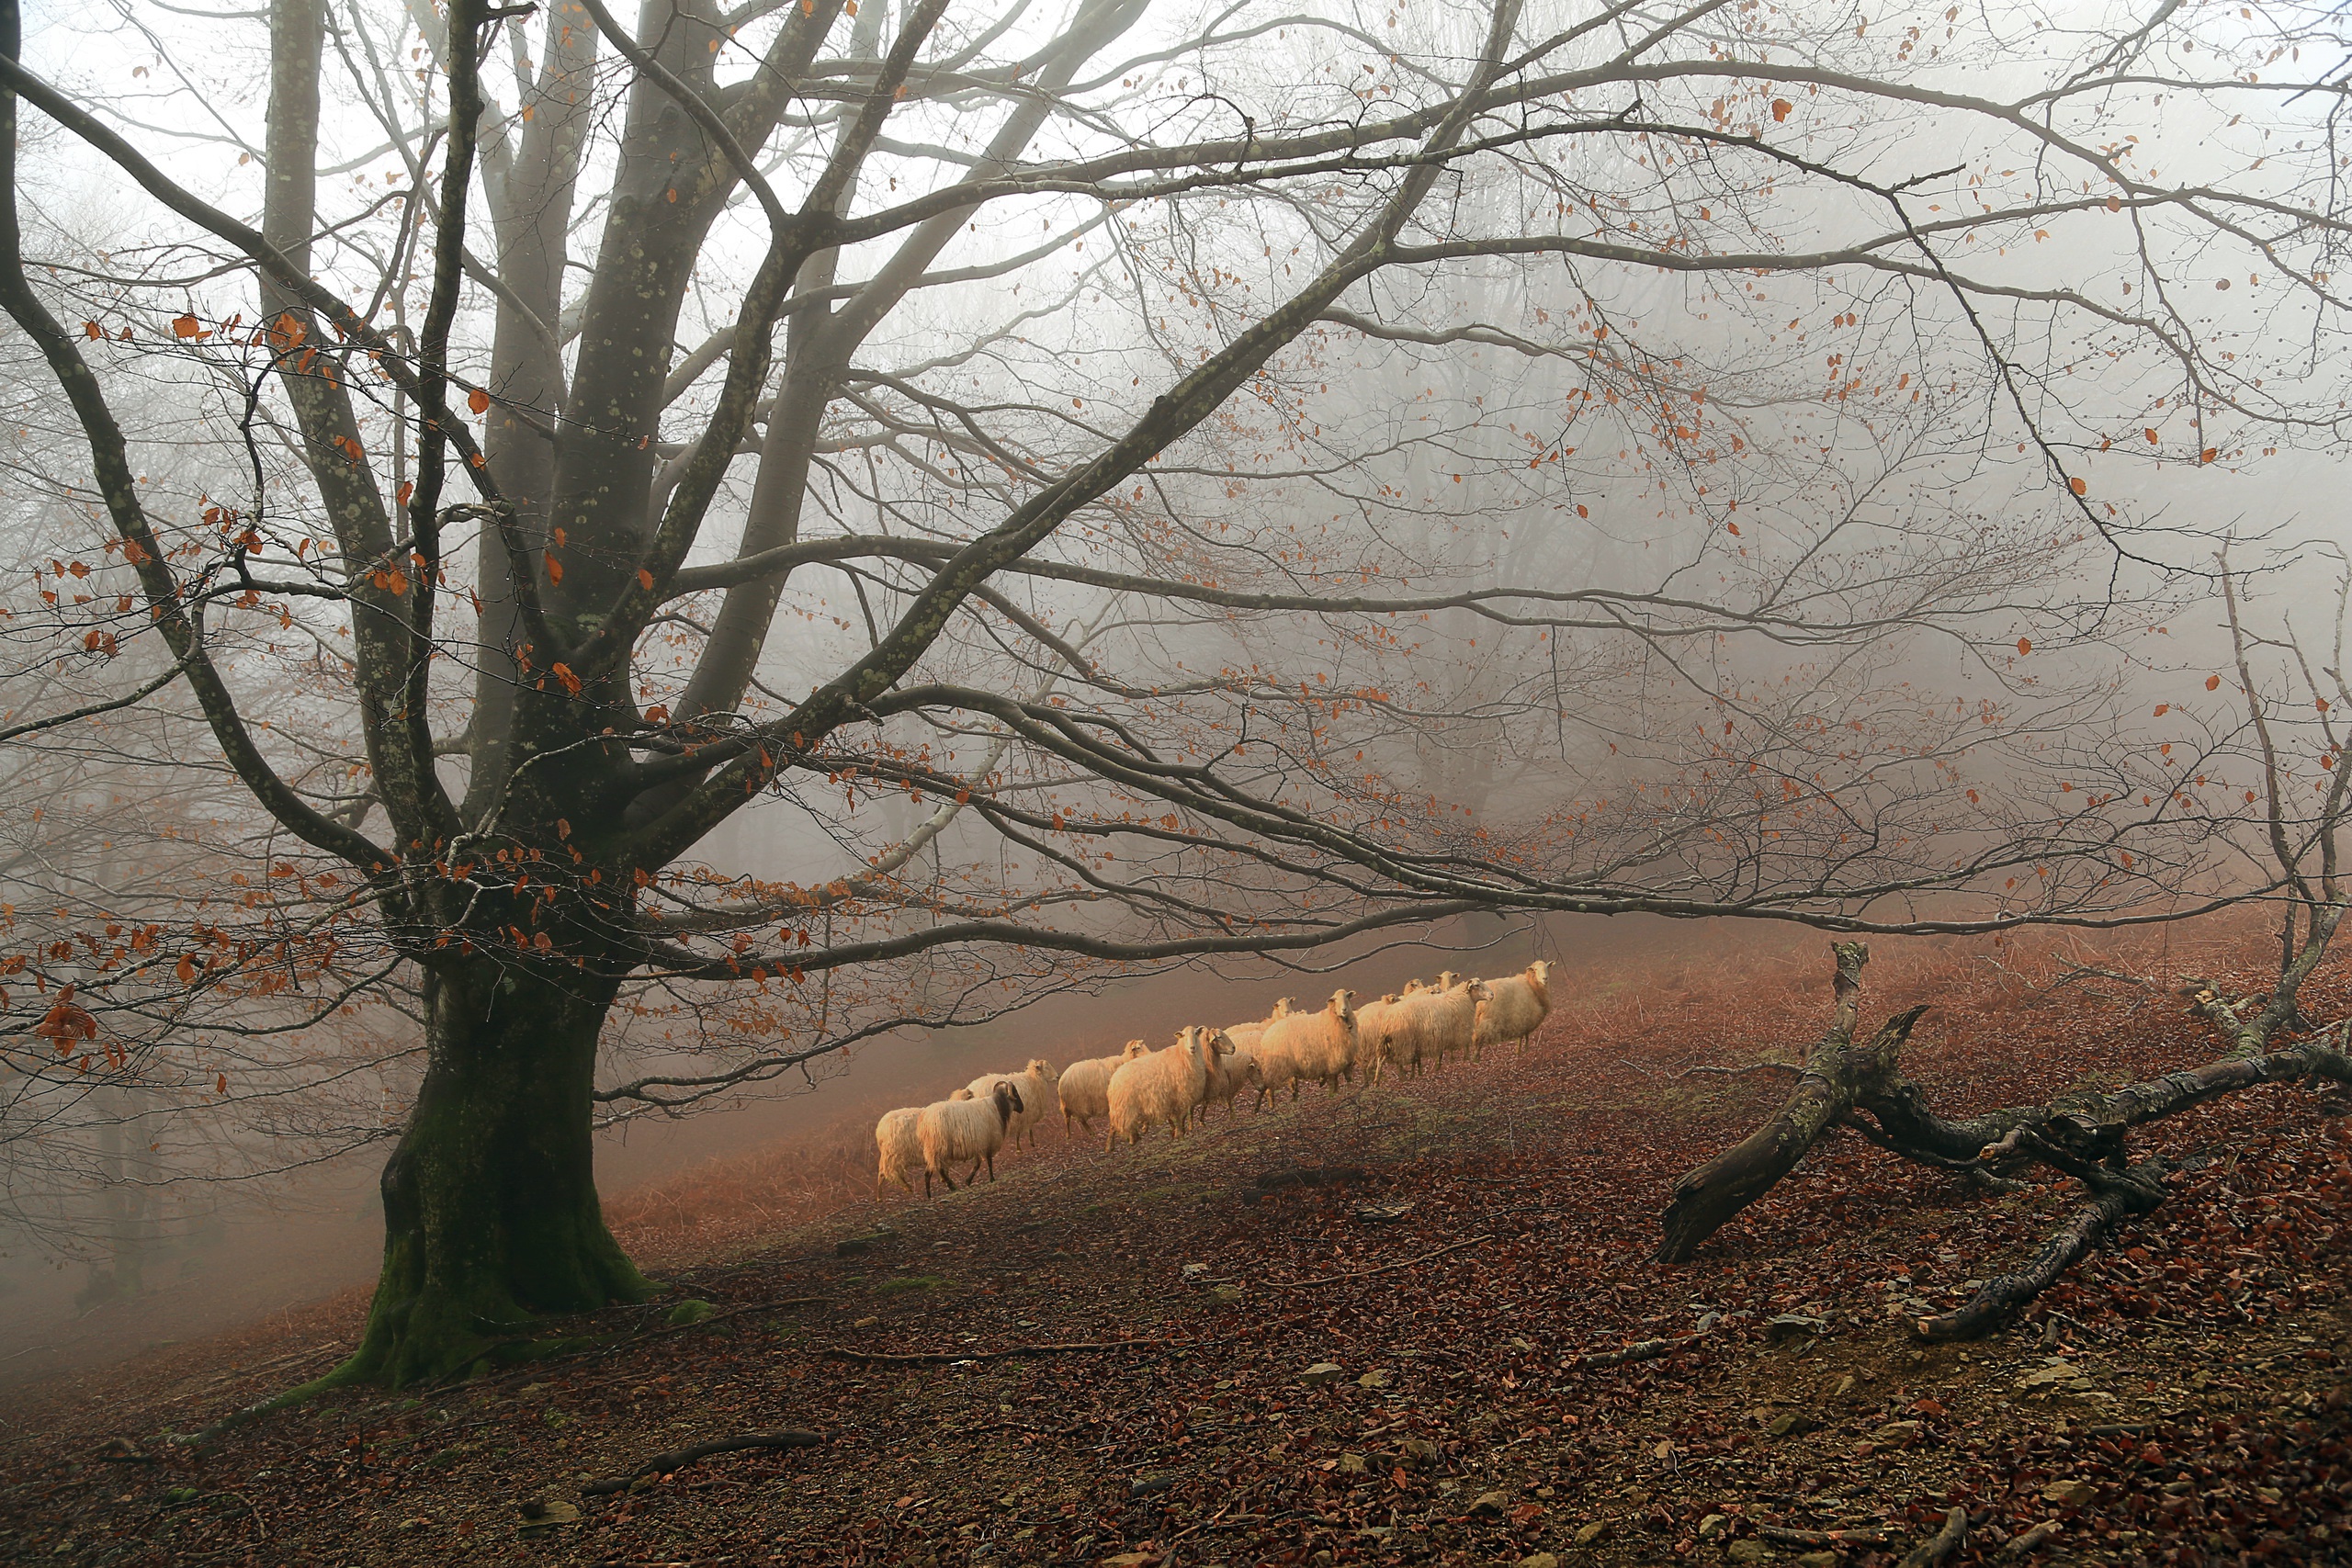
(957, 1132)
(1035, 1083)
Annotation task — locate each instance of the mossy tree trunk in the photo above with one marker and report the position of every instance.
(491, 1213)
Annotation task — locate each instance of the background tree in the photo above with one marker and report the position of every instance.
(1808, 381)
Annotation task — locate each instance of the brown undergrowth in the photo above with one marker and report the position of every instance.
(1405, 1362)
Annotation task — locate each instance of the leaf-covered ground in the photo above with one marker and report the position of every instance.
(1385, 1367)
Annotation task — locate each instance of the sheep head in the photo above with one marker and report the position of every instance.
(1282, 1008)
(1043, 1070)
(961, 1094)
(1479, 990)
(1006, 1100)
(1135, 1048)
(1219, 1041)
(1339, 1001)
(1447, 979)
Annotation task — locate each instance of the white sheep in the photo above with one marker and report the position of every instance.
(1161, 1086)
(1514, 1009)
(1383, 1037)
(1231, 1071)
(1084, 1088)
(1035, 1083)
(1244, 1036)
(900, 1145)
(1319, 1045)
(954, 1130)
(1442, 1021)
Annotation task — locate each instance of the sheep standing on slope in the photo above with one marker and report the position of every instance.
(1383, 1037)
(1085, 1088)
(1319, 1045)
(1162, 1086)
(1230, 1072)
(901, 1148)
(1035, 1083)
(1514, 1009)
(1244, 1036)
(956, 1131)
(1442, 1021)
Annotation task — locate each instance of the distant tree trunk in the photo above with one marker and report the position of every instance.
(491, 1213)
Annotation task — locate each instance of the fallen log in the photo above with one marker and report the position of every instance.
(2082, 1133)
(1836, 1074)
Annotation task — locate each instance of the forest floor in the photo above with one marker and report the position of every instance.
(1384, 1367)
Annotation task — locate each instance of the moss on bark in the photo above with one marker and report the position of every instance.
(491, 1213)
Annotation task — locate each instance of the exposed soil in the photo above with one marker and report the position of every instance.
(1383, 1367)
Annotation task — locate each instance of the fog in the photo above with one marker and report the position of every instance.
(1806, 498)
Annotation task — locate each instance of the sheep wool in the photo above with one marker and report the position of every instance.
(1514, 1009)
(900, 1146)
(1162, 1086)
(1319, 1045)
(1442, 1021)
(1231, 1070)
(1084, 1088)
(1383, 1038)
(957, 1132)
(1035, 1083)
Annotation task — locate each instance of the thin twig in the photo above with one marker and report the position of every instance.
(938, 1356)
(1384, 1268)
(678, 1459)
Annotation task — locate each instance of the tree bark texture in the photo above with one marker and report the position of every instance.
(491, 1213)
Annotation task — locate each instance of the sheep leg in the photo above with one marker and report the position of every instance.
(991, 1164)
(1111, 1139)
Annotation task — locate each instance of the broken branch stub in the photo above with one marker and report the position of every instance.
(1837, 1075)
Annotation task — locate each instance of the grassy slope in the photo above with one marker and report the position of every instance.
(2181, 1399)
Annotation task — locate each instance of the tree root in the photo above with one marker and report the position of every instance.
(678, 1459)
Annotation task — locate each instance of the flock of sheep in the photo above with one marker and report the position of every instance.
(1411, 1031)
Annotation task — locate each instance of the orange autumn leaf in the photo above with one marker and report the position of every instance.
(645, 579)
(64, 1023)
(2025, 645)
(2213, 682)
(1780, 107)
(221, 1083)
(188, 326)
(555, 569)
(564, 674)
(478, 401)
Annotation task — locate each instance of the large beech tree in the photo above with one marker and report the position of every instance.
(1291, 474)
